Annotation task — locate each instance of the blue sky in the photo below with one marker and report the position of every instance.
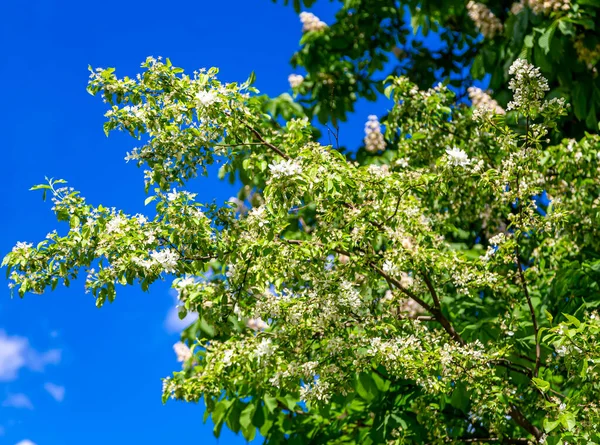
(71, 373)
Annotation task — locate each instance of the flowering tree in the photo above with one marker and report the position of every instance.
(431, 293)
(371, 39)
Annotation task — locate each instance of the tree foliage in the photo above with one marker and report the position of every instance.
(439, 285)
(372, 39)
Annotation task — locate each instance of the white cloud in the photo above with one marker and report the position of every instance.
(17, 401)
(173, 324)
(26, 442)
(56, 391)
(16, 353)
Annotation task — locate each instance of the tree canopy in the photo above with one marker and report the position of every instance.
(369, 40)
(439, 285)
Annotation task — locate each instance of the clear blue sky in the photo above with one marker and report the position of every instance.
(71, 373)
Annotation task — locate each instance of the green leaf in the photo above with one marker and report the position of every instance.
(365, 387)
(541, 384)
(478, 69)
(546, 38)
(568, 421)
(270, 403)
(579, 99)
(247, 415)
(550, 425)
(207, 328)
(584, 368)
(574, 321)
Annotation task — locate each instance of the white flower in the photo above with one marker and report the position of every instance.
(166, 259)
(182, 351)
(389, 267)
(497, 239)
(264, 349)
(22, 245)
(547, 6)
(482, 100)
(285, 168)
(488, 24)
(185, 282)
(295, 80)
(311, 22)
(528, 85)
(114, 225)
(374, 140)
(406, 280)
(230, 272)
(259, 214)
(172, 196)
(256, 324)
(516, 8)
(457, 157)
(227, 356)
(402, 162)
(205, 98)
(562, 407)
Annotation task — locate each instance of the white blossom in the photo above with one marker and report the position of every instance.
(285, 168)
(182, 351)
(166, 259)
(114, 225)
(528, 85)
(457, 157)
(295, 80)
(227, 356)
(311, 22)
(172, 196)
(488, 24)
(21, 245)
(548, 6)
(256, 324)
(389, 267)
(374, 140)
(264, 349)
(205, 98)
(483, 100)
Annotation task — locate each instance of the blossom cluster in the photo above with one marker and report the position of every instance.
(295, 80)
(548, 6)
(528, 86)
(488, 24)
(285, 168)
(311, 22)
(483, 100)
(457, 157)
(541, 6)
(374, 140)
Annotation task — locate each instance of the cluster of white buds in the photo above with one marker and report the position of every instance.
(528, 85)
(374, 141)
(295, 80)
(548, 6)
(481, 99)
(182, 352)
(256, 324)
(311, 22)
(517, 7)
(488, 24)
